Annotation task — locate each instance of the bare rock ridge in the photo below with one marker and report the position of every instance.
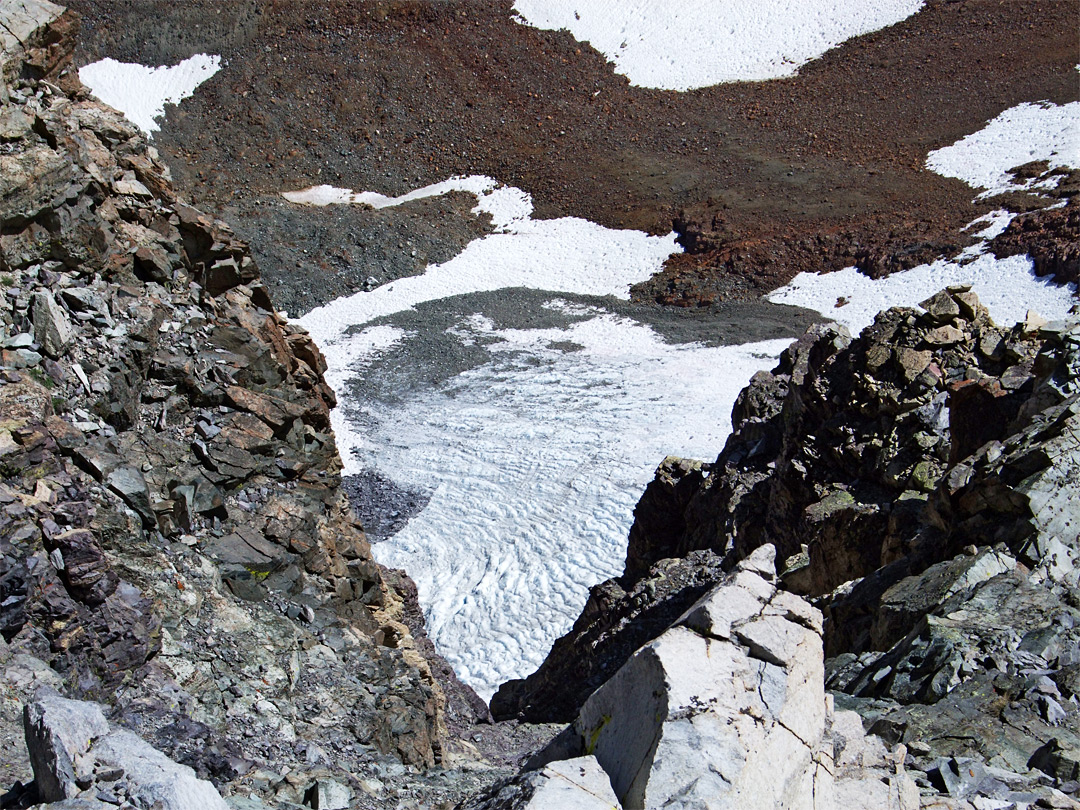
(915, 483)
(175, 540)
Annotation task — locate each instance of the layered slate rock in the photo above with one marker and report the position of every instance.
(174, 539)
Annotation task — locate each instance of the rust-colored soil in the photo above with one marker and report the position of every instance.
(776, 177)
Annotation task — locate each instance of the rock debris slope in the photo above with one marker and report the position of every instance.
(175, 541)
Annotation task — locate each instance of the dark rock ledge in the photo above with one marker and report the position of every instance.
(174, 538)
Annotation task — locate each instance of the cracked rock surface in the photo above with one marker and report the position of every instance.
(917, 483)
(175, 541)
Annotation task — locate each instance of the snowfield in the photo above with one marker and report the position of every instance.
(140, 92)
(534, 462)
(569, 255)
(687, 44)
(1007, 287)
(1019, 135)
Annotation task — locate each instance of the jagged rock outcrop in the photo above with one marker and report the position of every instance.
(174, 537)
(917, 483)
(1051, 237)
(77, 755)
(727, 709)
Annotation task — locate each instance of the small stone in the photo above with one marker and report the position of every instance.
(1033, 321)
(21, 358)
(128, 185)
(913, 363)
(80, 374)
(14, 123)
(52, 329)
(328, 794)
(1052, 711)
(941, 307)
(23, 340)
(127, 482)
(944, 336)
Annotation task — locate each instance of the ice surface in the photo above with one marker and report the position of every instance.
(1007, 287)
(1021, 134)
(686, 44)
(140, 92)
(535, 457)
(535, 461)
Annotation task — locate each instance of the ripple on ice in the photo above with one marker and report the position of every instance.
(534, 462)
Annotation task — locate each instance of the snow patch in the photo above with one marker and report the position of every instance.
(506, 205)
(1021, 134)
(1007, 287)
(996, 222)
(140, 92)
(568, 255)
(687, 44)
(534, 462)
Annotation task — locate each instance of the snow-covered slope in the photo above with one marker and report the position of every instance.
(141, 92)
(687, 44)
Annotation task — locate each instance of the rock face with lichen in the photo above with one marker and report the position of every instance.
(174, 537)
(916, 482)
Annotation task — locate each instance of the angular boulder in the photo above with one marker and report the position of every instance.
(52, 328)
(75, 753)
(58, 733)
(726, 709)
(578, 783)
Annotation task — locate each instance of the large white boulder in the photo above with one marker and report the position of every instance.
(579, 783)
(71, 744)
(570, 784)
(727, 710)
(724, 710)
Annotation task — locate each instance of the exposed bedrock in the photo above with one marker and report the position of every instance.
(1051, 237)
(917, 482)
(175, 541)
(727, 709)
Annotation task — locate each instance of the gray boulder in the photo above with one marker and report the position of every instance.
(75, 754)
(578, 783)
(58, 733)
(52, 328)
(727, 709)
